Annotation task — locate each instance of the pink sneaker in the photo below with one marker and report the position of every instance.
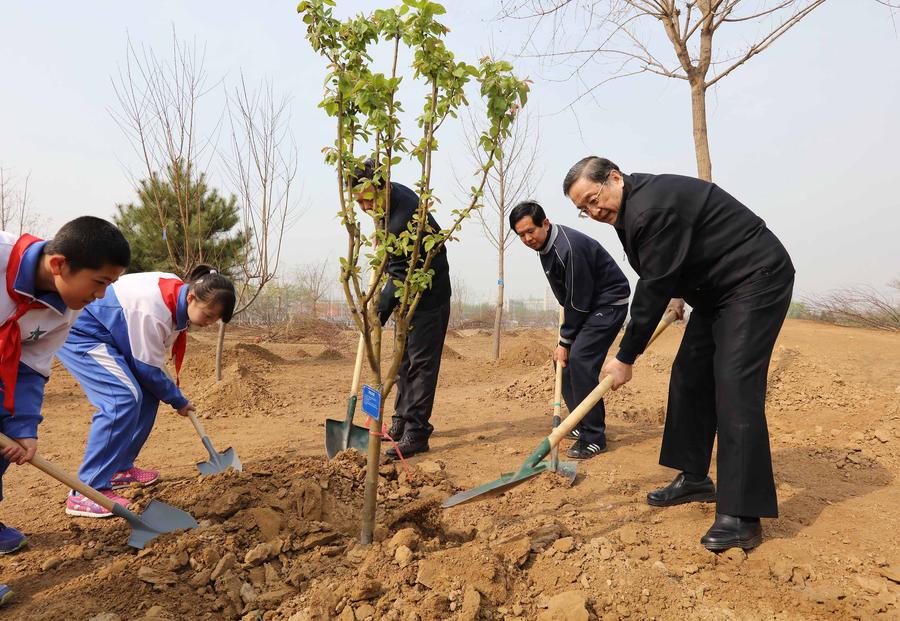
(82, 506)
(124, 478)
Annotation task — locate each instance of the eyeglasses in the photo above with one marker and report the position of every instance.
(585, 212)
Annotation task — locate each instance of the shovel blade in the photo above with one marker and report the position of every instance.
(157, 518)
(338, 437)
(567, 470)
(220, 462)
(506, 481)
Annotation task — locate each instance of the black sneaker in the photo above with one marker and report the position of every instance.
(408, 447)
(586, 450)
(575, 435)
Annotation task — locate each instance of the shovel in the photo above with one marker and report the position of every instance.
(157, 518)
(341, 435)
(218, 462)
(568, 469)
(533, 464)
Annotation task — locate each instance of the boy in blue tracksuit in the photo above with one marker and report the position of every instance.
(47, 283)
(117, 351)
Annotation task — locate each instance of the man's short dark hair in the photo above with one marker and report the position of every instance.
(530, 209)
(90, 243)
(592, 168)
(365, 171)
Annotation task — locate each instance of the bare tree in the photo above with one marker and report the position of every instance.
(861, 305)
(158, 106)
(511, 180)
(314, 282)
(614, 32)
(15, 208)
(460, 299)
(262, 166)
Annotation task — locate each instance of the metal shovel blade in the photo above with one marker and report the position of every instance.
(567, 470)
(157, 518)
(506, 481)
(341, 435)
(218, 462)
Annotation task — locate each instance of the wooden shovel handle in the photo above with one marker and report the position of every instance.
(557, 387)
(360, 352)
(62, 476)
(196, 422)
(574, 417)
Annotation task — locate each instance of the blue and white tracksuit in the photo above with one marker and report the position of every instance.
(43, 331)
(117, 351)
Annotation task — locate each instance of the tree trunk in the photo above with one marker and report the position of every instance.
(498, 313)
(220, 345)
(701, 136)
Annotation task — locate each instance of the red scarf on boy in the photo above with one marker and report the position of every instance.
(10, 334)
(170, 288)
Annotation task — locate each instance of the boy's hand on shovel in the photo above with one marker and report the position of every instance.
(618, 370)
(188, 408)
(22, 453)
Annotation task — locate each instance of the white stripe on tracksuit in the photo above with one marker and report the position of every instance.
(102, 356)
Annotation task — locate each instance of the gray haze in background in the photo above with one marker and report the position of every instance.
(807, 134)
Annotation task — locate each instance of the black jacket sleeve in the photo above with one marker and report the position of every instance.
(662, 240)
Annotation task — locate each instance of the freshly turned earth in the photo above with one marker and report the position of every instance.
(279, 541)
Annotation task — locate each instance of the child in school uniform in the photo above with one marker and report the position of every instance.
(117, 352)
(47, 285)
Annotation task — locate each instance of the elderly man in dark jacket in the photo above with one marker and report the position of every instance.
(689, 239)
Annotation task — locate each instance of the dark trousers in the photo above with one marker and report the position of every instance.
(418, 377)
(718, 383)
(582, 373)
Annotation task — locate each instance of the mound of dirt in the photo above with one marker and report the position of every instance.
(307, 329)
(243, 390)
(529, 353)
(281, 541)
(535, 387)
(450, 353)
(329, 353)
(251, 352)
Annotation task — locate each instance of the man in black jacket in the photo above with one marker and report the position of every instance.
(418, 376)
(593, 292)
(690, 239)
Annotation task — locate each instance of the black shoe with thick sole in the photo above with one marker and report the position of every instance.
(574, 435)
(731, 531)
(408, 447)
(398, 426)
(680, 491)
(586, 450)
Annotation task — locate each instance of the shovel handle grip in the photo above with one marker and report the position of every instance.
(357, 368)
(574, 417)
(197, 425)
(62, 476)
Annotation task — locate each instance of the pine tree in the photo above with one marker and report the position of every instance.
(199, 225)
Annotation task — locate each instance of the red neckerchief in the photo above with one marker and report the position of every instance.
(170, 288)
(10, 334)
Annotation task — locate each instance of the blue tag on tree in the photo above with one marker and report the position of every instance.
(371, 402)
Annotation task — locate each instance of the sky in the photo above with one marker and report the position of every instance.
(806, 134)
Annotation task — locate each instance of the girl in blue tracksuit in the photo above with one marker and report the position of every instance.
(117, 352)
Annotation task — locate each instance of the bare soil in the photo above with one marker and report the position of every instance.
(279, 541)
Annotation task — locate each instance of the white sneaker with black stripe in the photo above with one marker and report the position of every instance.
(583, 450)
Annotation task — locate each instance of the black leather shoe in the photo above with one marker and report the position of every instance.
(586, 450)
(398, 426)
(729, 531)
(408, 447)
(680, 491)
(574, 435)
